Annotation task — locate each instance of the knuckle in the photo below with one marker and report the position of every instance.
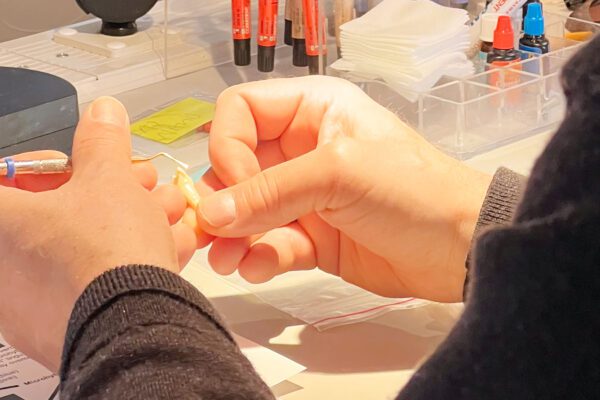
(226, 94)
(347, 84)
(342, 155)
(328, 80)
(233, 91)
(93, 142)
(263, 195)
(90, 137)
(96, 128)
(213, 149)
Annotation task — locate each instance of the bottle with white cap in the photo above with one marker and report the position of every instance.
(488, 26)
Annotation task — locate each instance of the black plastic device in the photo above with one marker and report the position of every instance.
(38, 111)
(118, 16)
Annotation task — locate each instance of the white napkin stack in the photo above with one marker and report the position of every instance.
(410, 44)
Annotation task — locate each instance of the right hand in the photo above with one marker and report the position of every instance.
(312, 172)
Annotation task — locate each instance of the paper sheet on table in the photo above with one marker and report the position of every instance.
(21, 378)
(409, 44)
(175, 121)
(315, 297)
(24, 379)
(272, 367)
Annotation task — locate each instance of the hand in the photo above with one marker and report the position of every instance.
(55, 242)
(312, 172)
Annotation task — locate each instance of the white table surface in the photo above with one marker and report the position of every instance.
(369, 360)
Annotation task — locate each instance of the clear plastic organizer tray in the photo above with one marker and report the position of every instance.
(462, 117)
(495, 106)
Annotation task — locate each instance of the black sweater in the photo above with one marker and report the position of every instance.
(530, 330)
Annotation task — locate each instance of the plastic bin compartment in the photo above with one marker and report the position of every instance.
(496, 105)
(406, 110)
(453, 116)
(519, 95)
(471, 116)
(548, 68)
(543, 66)
(567, 30)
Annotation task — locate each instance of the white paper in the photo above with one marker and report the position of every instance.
(410, 44)
(24, 379)
(315, 297)
(272, 367)
(402, 19)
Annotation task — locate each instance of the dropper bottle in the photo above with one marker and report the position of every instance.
(488, 25)
(503, 52)
(524, 10)
(534, 40)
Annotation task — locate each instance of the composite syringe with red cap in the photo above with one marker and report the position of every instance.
(304, 30)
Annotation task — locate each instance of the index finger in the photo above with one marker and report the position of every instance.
(261, 111)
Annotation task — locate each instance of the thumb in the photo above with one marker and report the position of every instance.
(102, 138)
(271, 198)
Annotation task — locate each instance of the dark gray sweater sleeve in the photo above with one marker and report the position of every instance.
(531, 324)
(141, 332)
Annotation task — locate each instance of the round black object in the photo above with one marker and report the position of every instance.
(118, 16)
(38, 111)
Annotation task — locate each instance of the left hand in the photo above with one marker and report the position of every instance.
(58, 233)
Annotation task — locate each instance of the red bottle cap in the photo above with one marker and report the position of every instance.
(503, 35)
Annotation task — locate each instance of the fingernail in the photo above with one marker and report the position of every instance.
(109, 111)
(218, 210)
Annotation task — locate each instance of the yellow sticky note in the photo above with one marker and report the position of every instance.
(175, 121)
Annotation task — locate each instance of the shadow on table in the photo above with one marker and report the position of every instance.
(399, 340)
(284, 388)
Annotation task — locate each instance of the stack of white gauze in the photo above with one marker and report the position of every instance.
(410, 44)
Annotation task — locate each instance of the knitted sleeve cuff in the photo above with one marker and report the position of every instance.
(499, 205)
(501, 199)
(109, 287)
